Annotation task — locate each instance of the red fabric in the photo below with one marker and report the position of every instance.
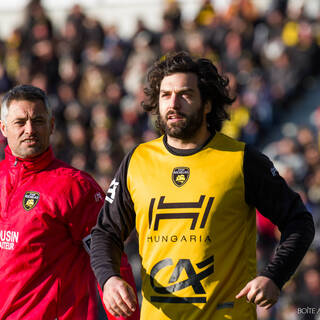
(45, 272)
(265, 226)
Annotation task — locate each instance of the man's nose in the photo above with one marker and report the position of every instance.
(174, 103)
(29, 127)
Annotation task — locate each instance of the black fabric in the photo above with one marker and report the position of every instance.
(185, 152)
(114, 225)
(266, 190)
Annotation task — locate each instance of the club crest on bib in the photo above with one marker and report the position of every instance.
(180, 176)
(30, 200)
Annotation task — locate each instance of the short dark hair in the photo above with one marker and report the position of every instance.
(213, 86)
(23, 92)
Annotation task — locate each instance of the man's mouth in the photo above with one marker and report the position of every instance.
(175, 117)
(30, 141)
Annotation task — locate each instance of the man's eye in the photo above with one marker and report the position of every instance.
(38, 121)
(187, 95)
(164, 94)
(19, 123)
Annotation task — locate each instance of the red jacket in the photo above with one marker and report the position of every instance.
(47, 210)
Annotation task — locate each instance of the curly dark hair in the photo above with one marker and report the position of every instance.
(213, 87)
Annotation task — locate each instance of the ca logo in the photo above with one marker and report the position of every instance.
(194, 280)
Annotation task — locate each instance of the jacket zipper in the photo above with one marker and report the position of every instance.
(13, 190)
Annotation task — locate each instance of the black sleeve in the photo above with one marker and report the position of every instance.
(266, 190)
(115, 222)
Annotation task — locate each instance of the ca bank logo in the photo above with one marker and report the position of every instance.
(195, 273)
(30, 200)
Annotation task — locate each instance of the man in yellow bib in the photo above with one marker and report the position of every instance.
(192, 194)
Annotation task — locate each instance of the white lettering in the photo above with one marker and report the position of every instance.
(112, 190)
(7, 245)
(8, 236)
(8, 239)
(98, 197)
(308, 310)
(15, 237)
(274, 171)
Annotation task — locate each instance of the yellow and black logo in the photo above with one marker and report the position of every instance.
(30, 200)
(180, 176)
(184, 266)
(156, 214)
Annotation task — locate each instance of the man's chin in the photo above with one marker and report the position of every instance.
(29, 152)
(181, 134)
(175, 132)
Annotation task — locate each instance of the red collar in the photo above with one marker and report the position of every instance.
(31, 164)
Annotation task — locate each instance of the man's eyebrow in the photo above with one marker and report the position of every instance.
(38, 116)
(184, 89)
(20, 118)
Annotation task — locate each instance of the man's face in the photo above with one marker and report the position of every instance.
(28, 128)
(181, 111)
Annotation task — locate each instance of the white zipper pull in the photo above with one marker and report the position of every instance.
(16, 161)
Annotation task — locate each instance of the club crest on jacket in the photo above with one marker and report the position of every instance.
(30, 200)
(180, 175)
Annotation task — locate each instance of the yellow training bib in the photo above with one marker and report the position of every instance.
(197, 235)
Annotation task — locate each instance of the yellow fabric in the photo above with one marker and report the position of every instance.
(206, 15)
(290, 34)
(196, 234)
(239, 118)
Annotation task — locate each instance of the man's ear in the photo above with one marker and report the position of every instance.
(52, 122)
(3, 128)
(207, 107)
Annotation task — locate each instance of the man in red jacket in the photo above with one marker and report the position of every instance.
(47, 210)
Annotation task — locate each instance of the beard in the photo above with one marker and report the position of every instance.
(184, 129)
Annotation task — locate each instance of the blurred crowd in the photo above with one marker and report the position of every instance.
(297, 158)
(94, 79)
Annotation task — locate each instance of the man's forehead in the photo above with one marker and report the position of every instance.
(183, 81)
(26, 107)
